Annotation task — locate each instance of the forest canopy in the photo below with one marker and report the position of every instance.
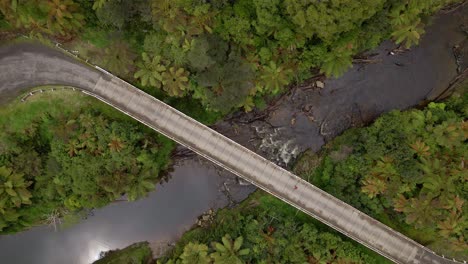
(262, 229)
(227, 54)
(408, 170)
(62, 153)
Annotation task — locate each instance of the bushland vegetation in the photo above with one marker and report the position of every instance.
(226, 54)
(408, 169)
(62, 153)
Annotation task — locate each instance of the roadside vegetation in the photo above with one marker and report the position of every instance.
(264, 229)
(62, 153)
(225, 54)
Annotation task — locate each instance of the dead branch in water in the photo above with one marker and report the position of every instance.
(453, 7)
(182, 153)
(366, 61)
(453, 84)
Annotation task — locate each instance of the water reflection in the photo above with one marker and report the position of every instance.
(96, 247)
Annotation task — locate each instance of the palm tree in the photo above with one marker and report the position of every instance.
(24, 14)
(421, 212)
(408, 35)
(200, 22)
(74, 147)
(373, 186)
(162, 8)
(86, 121)
(116, 144)
(9, 216)
(115, 184)
(64, 16)
(274, 77)
(437, 180)
(143, 184)
(420, 148)
(195, 253)
(380, 178)
(150, 70)
(459, 244)
(101, 121)
(454, 203)
(229, 251)
(175, 81)
(118, 58)
(98, 4)
(452, 225)
(400, 203)
(337, 61)
(13, 189)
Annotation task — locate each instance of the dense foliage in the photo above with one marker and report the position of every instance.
(408, 169)
(263, 229)
(59, 155)
(228, 54)
(138, 253)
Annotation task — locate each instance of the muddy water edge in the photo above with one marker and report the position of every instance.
(305, 118)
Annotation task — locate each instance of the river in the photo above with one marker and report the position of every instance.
(305, 118)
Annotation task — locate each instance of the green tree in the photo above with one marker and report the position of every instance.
(98, 4)
(223, 87)
(114, 13)
(29, 14)
(408, 35)
(420, 212)
(195, 253)
(116, 144)
(118, 58)
(116, 183)
(199, 55)
(337, 61)
(274, 77)
(229, 252)
(141, 185)
(13, 189)
(64, 16)
(175, 81)
(150, 70)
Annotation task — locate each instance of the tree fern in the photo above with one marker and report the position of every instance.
(337, 62)
(175, 81)
(150, 70)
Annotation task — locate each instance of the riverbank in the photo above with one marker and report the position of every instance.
(307, 116)
(373, 87)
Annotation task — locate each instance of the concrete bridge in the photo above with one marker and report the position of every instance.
(25, 66)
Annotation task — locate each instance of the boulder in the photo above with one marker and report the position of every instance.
(319, 84)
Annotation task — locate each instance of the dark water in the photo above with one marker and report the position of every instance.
(306, 118)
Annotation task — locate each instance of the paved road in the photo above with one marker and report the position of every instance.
(26, 66)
